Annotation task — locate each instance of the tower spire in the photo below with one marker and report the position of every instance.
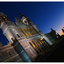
(20, 14)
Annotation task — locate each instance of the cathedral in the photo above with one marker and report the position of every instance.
(26, 41)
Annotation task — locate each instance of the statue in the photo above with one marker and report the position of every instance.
(63, 29)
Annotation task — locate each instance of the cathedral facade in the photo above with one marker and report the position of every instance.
(24, 38)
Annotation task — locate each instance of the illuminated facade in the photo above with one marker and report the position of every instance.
(27, 40)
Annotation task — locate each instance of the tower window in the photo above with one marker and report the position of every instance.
(4, 18)
(25, 21)
(18, 35)
(12, 39)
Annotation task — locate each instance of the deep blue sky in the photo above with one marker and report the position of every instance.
(44, 15)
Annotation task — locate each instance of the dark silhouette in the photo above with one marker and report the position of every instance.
(63, 29)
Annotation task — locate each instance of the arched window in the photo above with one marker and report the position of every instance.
(18, 35)
(12, 39)
(4, 18)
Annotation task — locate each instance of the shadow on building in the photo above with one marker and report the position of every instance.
(53, 36)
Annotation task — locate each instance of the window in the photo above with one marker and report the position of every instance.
(12, 39)
(25, 32)
(39, 41)
(33, 46)
(9, 53)
(36, 45)
(39, 44)
(29, 31)
(25, 21)
(44, 43)
(18, 35)
(32, 31)
(22, 32)
(4, 18)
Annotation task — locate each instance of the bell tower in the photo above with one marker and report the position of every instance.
(5, 26)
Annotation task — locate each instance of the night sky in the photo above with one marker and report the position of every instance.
(44, 15)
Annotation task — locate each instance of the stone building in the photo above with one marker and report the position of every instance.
(53, 36)
(26, 41)
(8, 54)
